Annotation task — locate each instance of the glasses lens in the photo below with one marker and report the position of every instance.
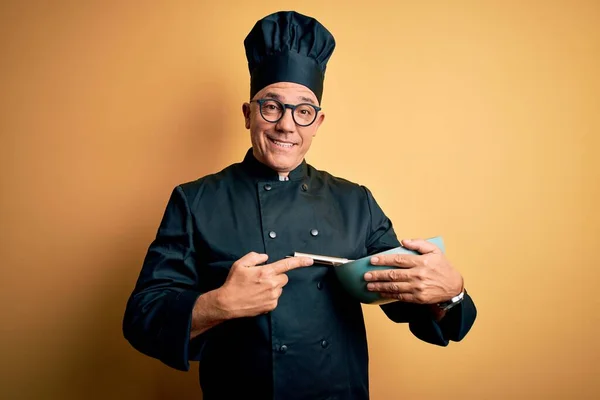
(305, 114)
(271, 110)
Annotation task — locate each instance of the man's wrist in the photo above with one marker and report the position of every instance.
(224, 304)
(218, 301)
(208, 312)
(453, 302)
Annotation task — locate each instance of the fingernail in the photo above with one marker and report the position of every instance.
(374, 260)
(368, 276)
(370, 286)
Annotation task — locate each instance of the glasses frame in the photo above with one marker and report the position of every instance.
(285, 106)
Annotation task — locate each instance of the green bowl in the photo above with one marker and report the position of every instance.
(351, 275)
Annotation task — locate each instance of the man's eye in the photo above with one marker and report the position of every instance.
(305, 111)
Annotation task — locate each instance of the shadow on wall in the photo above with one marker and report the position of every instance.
(101, 364)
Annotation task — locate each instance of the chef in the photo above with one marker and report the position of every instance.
(217, 284)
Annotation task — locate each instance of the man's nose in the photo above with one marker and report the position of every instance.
(286, 123)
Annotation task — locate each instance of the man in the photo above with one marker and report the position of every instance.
(217, 286)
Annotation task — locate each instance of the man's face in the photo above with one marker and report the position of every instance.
(281, 145)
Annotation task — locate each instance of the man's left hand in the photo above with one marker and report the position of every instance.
(424, 278)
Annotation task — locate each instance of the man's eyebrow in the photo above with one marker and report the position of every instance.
(273, 95)
(276, 96)
(306, 99)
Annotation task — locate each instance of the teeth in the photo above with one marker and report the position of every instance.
(288, 145)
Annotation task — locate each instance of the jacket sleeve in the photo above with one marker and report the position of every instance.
(158, 314)
(456, 323)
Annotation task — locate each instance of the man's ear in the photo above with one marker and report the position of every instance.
(246, 112)
(318, 122)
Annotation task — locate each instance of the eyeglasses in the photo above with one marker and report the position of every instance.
(272, 110)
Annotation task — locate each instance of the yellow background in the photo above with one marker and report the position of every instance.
(478, 121)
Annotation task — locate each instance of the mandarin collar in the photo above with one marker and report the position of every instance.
(261, 171)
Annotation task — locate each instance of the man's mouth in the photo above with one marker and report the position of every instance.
(282, 144)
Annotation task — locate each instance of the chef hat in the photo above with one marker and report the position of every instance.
(288, 47)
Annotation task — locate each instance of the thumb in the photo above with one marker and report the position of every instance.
(420, 245)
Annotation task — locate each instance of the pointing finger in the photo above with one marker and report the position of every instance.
(252, 259)
(288, 264)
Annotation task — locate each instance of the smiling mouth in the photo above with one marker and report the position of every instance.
(283, 145)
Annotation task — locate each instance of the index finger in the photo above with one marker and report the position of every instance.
(397, 260)
(288, 264)
(251, 259)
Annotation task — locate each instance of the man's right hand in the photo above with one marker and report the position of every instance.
(252, 289)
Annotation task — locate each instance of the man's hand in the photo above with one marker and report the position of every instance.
(250, 289)
(426, 278)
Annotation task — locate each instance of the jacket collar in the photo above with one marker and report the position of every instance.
(260, 171)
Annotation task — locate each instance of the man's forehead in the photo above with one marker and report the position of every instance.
(287, 91)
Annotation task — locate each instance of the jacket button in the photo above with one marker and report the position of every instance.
(324, 343)
(272, 235)
(282, 348)
(267, 187)
(314, 232)
(304, 187)
(320, 285)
